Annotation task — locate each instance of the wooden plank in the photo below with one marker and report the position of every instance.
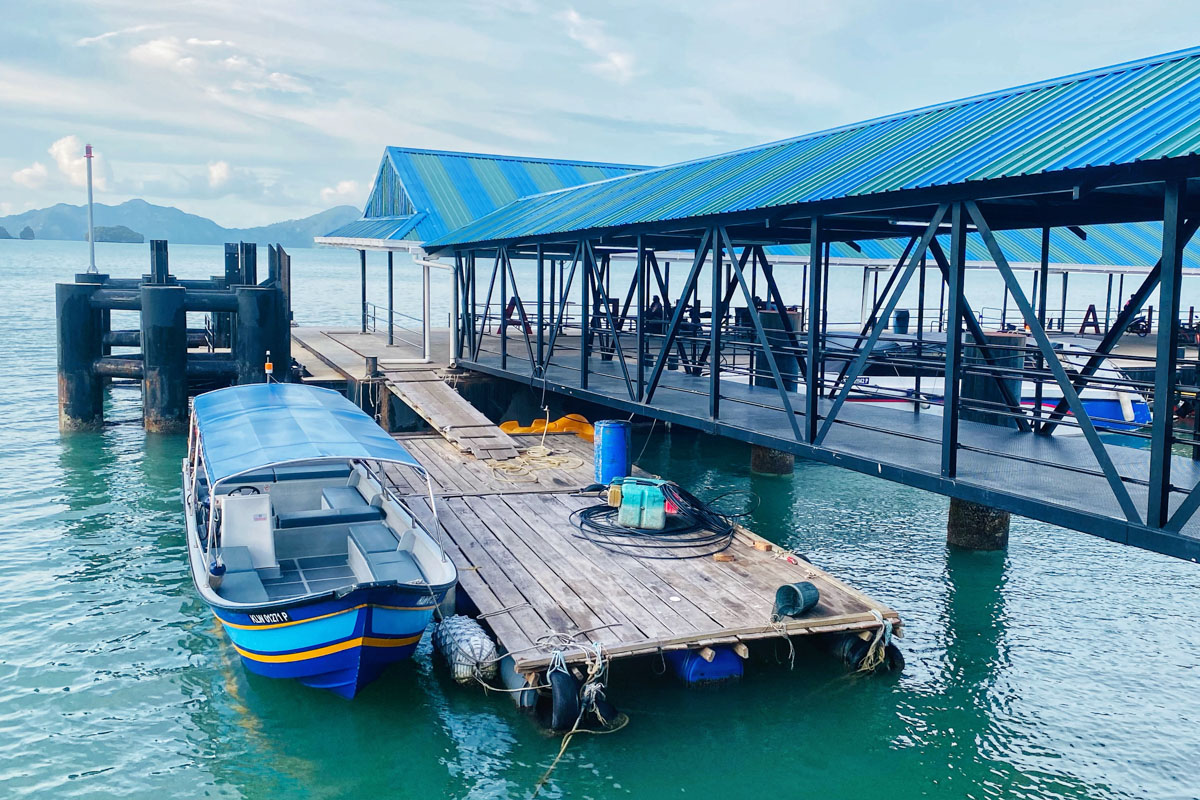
(560, 593)
(614, 578)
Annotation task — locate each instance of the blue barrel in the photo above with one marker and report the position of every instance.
(612, 442)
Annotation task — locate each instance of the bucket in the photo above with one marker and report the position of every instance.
(794, 599)
(612, 438)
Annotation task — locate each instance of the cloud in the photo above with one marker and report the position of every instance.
(67, 153)
(216, 64)
(87, 41)
(344, 192)
(219, 174)
(32, 177)
(615, 62)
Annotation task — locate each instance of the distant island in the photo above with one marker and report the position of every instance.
(4, 234)
(117, 233)
(148, 221)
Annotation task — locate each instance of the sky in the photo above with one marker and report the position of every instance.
(250, 112)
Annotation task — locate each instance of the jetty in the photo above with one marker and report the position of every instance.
(506, 505)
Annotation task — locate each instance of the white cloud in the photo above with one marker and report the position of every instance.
(615, 61)
(166, 52)
(90, 40)
(32, 177)
(344, 192)
(5, 209)
(218, 174)
(68, 154)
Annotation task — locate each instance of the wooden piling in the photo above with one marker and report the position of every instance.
(261, 327)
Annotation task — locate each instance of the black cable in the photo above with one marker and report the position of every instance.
(695, 526)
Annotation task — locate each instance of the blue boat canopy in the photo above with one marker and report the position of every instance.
(244, 428)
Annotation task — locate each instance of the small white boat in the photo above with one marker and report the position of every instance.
(315, 569)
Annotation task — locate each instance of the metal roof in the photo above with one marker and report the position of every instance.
(1141, 110)
(436, 191)
(1126, 244)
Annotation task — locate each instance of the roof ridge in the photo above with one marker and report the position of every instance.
(524, 159)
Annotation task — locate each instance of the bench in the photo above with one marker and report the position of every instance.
(241, 583)
(373, 551)
(342, 497)
(328, 516)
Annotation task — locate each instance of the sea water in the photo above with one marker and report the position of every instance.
(1066, 667)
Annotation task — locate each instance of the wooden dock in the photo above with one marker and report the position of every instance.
(537, 582)
(506, 507)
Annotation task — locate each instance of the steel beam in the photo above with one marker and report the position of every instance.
(860, 362)
(1060, 374)
(954, 326)
(812, 382)
(1162, 433)
(677, 316)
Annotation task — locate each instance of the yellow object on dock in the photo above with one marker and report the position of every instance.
(571, 423)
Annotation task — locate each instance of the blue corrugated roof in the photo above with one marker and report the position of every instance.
(1138, 111)
(439, 190)
(1126, 244)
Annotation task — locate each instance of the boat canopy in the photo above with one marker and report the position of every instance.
(245, 428)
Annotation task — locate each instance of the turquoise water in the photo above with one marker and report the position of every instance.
(1067, 667)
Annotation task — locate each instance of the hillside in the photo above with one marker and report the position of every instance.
(64, 221)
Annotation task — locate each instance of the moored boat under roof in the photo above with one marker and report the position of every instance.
(315, 569)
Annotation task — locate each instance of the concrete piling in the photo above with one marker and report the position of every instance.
(164, 358)
(767, 461)
(80, 344)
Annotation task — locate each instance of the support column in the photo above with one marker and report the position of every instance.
(1162, 432)
(970, 525)
(392, 299)
(164, 359)
(362, 261)
(767, 461)
(80, 343)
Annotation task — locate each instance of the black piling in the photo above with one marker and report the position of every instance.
(164, 358)
(80, 345)
(261, 328)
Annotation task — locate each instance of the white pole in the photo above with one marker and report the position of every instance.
(426, 327)
(91, 226)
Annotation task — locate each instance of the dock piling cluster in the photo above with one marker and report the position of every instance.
(245, 322)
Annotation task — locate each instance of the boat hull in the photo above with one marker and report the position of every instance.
(339, 644)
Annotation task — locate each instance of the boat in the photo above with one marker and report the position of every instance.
(890, 380)
(314, 567)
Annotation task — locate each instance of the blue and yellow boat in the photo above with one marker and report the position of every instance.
(316, 570)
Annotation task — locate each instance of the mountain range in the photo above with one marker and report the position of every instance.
(64, 221)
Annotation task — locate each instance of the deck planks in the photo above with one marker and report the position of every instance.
(534, 578)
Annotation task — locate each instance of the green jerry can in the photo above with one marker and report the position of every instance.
(642, 503)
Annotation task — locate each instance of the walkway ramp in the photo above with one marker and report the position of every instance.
(451, 415)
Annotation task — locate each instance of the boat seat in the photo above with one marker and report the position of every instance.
(373, 537)
(308, 472)
(328, 516)
(342, 497)
(374, 557)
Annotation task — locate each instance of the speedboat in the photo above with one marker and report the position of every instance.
(315, 569)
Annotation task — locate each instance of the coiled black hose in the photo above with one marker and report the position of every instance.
(695, 530)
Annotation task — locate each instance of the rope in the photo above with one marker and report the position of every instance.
(592, 690)
(878, 650)
(521, 468)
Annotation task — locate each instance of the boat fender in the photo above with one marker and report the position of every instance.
(468, 650)
(216, 573)
(1126, 403)
(564, 700)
